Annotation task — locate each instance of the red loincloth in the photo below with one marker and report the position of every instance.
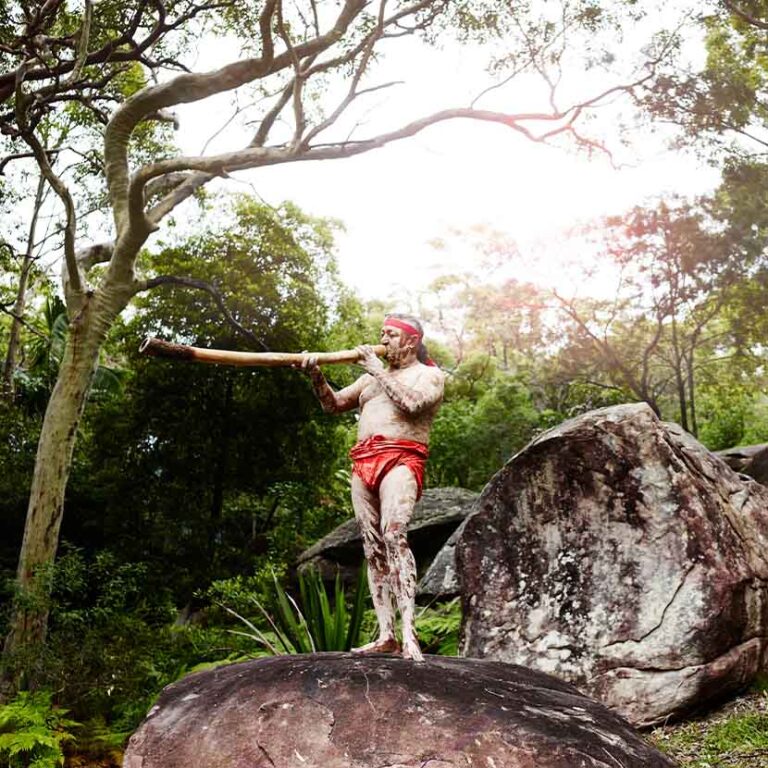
(377, 455)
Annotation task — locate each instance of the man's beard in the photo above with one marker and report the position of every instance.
(395, 357)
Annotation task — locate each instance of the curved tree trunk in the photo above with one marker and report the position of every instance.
(52, 466)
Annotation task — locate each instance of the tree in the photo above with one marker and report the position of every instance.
(721, 104)
(677, 267)
(100, 59)
(195, 468)
(480, 427)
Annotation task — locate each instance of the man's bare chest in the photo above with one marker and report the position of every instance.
(373, 393)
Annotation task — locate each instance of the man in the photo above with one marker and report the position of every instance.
(397, 406)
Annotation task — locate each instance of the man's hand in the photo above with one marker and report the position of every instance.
(369, 360)
(308, 363)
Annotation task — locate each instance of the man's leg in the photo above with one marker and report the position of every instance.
(367, 511)
(397, 495)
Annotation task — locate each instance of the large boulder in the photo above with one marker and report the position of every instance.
(345, 711)
(618, 553)
(437, 515)
(757, 467)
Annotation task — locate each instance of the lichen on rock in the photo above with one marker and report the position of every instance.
(346, 711)
(618, 553)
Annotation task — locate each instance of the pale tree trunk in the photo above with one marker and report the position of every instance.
(52, 466)
(20, 305)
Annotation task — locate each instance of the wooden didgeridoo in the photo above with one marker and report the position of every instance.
(158, 348)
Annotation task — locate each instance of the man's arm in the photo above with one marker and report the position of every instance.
(426, 392)
(333, 402)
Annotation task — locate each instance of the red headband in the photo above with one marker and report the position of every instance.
(403, 326)
(411, 331)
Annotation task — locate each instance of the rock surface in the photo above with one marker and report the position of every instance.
(757, 467)
(345, 711)
(618, 553)
(440, 580)
(437, 515)
(739, 457)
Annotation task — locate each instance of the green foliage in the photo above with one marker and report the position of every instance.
(98, 743)
(19, 433)
(112, 643)
(208, 471)
(44, 353)
(438, 628)
(314, 623)
(723, 411)
(33, 731)
(472, 439)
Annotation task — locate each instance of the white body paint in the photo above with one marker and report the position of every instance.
(397, 402)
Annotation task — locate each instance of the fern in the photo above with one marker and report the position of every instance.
(32, 731)
(438, 628)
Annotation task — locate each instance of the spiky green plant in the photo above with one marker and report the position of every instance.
(315, 623)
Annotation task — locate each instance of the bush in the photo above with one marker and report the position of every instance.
(112, 644)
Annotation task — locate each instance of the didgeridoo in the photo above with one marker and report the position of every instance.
(158, 348)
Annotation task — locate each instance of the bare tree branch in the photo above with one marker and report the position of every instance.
(56, 183)
(183, 90)
(211, 290)
(4, 309)
(22, 156)
(122, 48)
(82, 45)
(180, 193)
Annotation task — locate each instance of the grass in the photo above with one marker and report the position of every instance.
(735, 736)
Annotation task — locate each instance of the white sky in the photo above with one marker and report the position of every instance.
(396, 201)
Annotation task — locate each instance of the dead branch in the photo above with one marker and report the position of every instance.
(159, 348)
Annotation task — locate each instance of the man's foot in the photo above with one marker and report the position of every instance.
(411, 650)
(382, 645)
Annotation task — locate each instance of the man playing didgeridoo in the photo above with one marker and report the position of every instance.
(397, 406)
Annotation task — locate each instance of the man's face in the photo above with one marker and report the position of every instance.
(397, 342)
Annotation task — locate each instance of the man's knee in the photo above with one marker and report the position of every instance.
(395, 537)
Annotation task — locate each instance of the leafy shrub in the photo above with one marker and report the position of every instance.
(112, 644)
(32, 731)
(471, 440)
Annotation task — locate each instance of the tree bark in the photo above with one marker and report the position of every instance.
(679, 380)
(52, 466)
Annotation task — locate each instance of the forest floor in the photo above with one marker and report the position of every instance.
(733, 736)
